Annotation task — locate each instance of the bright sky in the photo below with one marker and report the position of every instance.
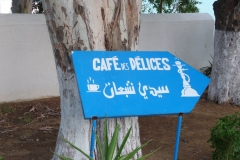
(5, 6)
(205, 7)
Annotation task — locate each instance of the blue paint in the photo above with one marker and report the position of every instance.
(94, 126)
(141, 83)
(178, 136)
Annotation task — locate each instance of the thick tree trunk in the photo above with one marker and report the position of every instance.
(89, 25)
(21, 6)
(225, 76)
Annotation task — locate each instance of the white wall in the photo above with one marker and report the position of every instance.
(27, 68)
(187, 36)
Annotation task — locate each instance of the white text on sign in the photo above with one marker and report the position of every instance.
(137, 63)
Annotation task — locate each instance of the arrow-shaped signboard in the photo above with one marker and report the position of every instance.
(141, 83)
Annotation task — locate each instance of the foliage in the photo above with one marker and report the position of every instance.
(146, 7)
(187, 6)
(5, 108)
(26, 118)
(207, 70)
(225, 138)
(170, 6)
(37, 7)
(1, 157)
(108, 150)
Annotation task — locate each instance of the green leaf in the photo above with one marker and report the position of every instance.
(113, 143)
(86, 155)
(110, 149)
(225, 137)
(99, 146)
(105, 138)
(131, 155)
(123, 144)
(1, 157)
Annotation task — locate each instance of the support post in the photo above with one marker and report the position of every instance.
(178, 136)
(94, 126)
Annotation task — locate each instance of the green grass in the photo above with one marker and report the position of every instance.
(5, 109)
(26, 119)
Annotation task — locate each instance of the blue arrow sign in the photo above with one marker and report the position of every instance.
(127, 83)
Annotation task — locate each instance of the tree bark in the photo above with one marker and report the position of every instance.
(21, 6)
(89, 25)
(225, 77)
(161, 6)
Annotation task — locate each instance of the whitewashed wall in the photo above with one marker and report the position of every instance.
(187, 36)
(27, 69)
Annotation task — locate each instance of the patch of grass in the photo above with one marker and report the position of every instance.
(26, 119)
(5, 109)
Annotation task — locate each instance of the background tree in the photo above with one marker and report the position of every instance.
(37, 7)
(186, 6)
(225, 77)
(21, 6)
(89, 25)
(27, 6)
(170, 6)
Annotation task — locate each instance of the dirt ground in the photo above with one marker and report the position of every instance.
(28, 130)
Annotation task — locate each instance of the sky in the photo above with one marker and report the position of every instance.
(5, 6)
(205, 7)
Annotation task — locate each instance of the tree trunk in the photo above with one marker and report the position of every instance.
(225, 76)
(89, 25)
(21, 6)
(161, 6)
